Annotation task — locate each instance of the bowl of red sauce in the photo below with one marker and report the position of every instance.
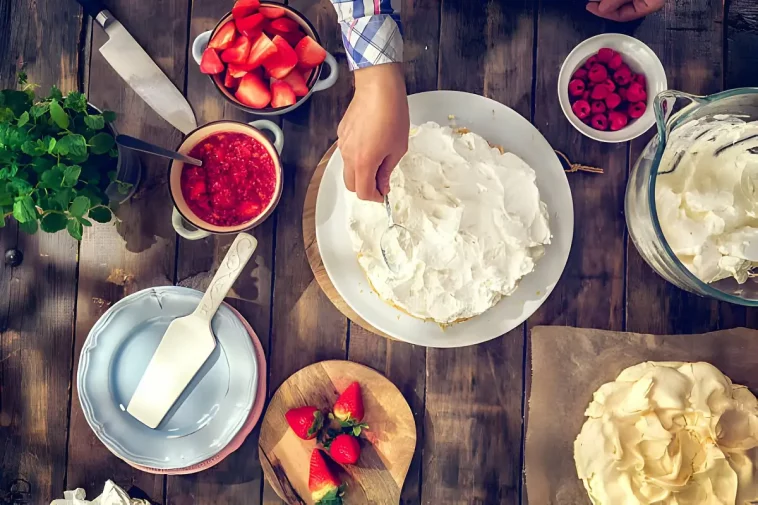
(239, 184)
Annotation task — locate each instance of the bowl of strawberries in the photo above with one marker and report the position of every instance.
(607, 85)
(265, 58)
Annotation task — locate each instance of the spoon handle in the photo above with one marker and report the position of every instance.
(146, 147)
(236, 258)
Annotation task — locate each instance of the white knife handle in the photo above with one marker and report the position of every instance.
(236, 258)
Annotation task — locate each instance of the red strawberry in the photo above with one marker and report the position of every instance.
(581, 108)
(231, 82)
(309, 53)
(598, 73)
(576, 88)
(599, 92)
(598, 107)
(284, 24)
(636, 93)
(223, 37)
(253, 92)
(615, 62)
(618, 120)
(292, 38)
(282, 94)
(237, 54)
(622, 76)
(251, 25)
(244, 8)
(349, 405)
(305, 421)
(236, 71)
(324, 486)
(210, 64)
(581, 74)
(272, 12)
(613, 100)
(637, 109)
(600, 122)
(296, 80)
(345, 449)
(590, 62)
(262, 48)
(605, 54)
(283, 61)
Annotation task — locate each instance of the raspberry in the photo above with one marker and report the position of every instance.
(591, 61)
(581, 108)
(618, 120)
(636, 93)
(598, 107)
(599, 92)
(586, 96)
(576, 87)
(610, 85)
(615, 62)
(640, 79)
(637, 109)
(622, 76)
(622, 93)
(605, 54)
(598, 73)
(580, 74)
(613, 100)
(600, 122)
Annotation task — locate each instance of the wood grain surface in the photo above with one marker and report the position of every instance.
(387, 447)
(468, 404)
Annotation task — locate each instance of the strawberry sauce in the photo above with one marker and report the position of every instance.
(236, 182)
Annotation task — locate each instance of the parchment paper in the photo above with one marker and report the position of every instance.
(569, 364)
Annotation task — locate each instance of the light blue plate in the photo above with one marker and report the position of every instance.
(207, 415)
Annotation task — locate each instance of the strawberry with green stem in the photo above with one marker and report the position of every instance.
(306, 422)
(325, 487)
(348, 410)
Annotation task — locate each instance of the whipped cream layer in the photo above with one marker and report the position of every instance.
(476, 221)
(670, 434)
(708, 204)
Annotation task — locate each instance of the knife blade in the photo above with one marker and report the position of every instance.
(139, 71)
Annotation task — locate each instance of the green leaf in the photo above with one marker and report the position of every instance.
(84, 222)
(29, 227)
(72, 145)
(74, 228)
(59, 115)
(20, 185)
(124, 187)
(23, 78)
(52, 179)
(79, 206)
(62, 199)
(23, 209)
(71, 175)
(51, 143)
(76, 101)
(101, 143)
(96, 122)
(113, 153)
(96, 197)
(39, 110)
(23, 119)
(55, 94)
(6, 199)
(101, 214)
(9, 171)
(109, 116)
(40, 165)
(34, 148)
(54, 222)
(17, 101)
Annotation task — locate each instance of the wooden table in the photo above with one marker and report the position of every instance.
(469, 403)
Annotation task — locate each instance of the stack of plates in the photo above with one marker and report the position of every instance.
(213, 416)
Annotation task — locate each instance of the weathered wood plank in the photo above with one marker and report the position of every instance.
(741, 40)
(472, 430)
(138, 252)
(37, 298)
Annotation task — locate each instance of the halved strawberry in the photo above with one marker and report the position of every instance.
(244, 8)
(210, 64)
(238, 53)
(231, 82)
(296, 80)
(282, 94)
(324, 486)
(224, 37)
(262, 48)
(305, 421)
(251, 25)
(309, 53)
(292, 38)
(236, 71)
(253, 92)
(272, 12)
(285, 24)
(283, 61)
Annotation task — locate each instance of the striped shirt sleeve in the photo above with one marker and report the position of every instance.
(371, 31)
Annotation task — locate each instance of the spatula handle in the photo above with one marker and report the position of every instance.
(236, 258)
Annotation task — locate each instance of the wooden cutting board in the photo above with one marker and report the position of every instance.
(386, 447)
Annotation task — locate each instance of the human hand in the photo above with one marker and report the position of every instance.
(624, 10)
(373, 135)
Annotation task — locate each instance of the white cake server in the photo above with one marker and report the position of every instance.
(187, 343)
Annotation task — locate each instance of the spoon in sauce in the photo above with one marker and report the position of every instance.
(146, 147)
(395, 235)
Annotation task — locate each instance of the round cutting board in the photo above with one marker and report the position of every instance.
(386, 447)
(314, 256)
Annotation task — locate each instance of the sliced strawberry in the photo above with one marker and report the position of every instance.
(304, 421)
(238, 53)
(285, 24)
(253, 92)
(236, 71)
(210, 64)
(282, 94)
(283, 61)
(231, 82)
(272, 12)
(296, 80)
(292, 38)
(310, 53)
(262, 48)
(244, 8)
(322, 483)
(251, 25)
(223, 37)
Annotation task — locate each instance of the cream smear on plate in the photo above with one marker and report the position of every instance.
(476, 221)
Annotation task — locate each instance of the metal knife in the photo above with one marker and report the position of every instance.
(139, 71)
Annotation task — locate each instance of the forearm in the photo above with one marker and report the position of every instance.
(371, 31)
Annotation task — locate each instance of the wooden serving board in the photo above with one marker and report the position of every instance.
(314, 255)
(386, 447)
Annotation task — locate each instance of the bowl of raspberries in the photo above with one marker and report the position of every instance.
(607, 85)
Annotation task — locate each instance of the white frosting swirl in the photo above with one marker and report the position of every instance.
(670, 434)
(475, 218)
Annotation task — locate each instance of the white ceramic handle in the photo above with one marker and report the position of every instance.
(199, 45)
(334, 73)
(236, 258)
(265, 124)
(178, 221)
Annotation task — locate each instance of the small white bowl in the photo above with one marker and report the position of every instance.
(640, 58)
